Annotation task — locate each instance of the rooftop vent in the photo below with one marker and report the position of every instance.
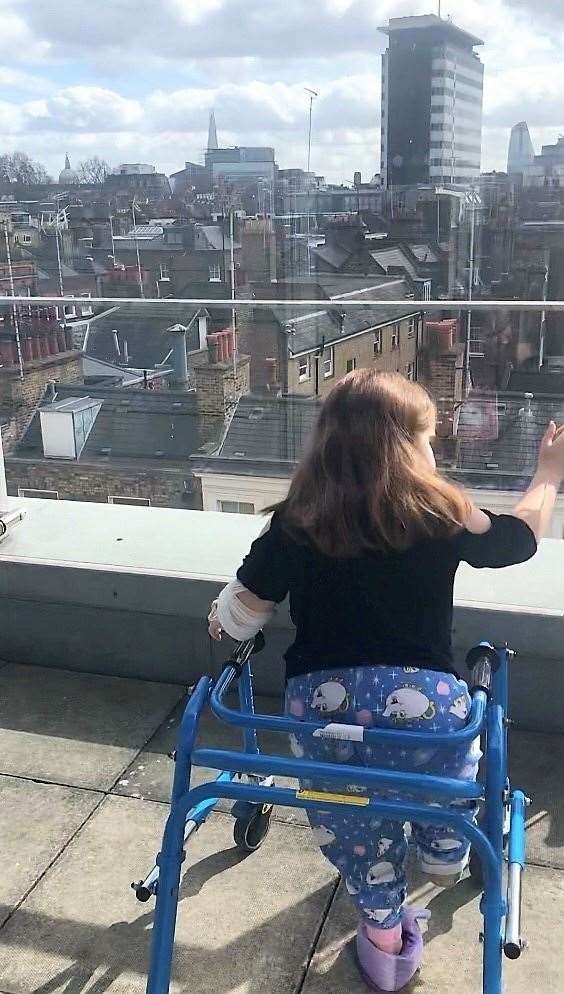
(256, 414)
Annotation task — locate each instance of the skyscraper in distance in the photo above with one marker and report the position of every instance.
(212, 132)
(432, 84)
(521, 152)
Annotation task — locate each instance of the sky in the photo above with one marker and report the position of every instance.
(135, 80)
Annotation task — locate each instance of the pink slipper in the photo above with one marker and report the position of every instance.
(386, 971)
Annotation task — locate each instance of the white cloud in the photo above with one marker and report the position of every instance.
(135, 80)
(16, 79)
(84, 108)
(11, 118)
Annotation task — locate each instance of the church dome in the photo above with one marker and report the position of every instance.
(68, 175)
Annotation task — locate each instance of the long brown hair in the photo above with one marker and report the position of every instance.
(363, 484)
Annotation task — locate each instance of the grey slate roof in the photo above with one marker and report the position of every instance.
(508, 460)
(325, 322)
(159, 428)
(424, 252)
(266, 437)
(535, 381)
(143, 325)
(331, 255)
(215, 238)
(394, 258)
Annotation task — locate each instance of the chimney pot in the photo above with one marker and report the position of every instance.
(213, 349)
(271, 371)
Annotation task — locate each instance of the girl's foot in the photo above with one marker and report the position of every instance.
(443, 874)
(388, 971)
(444, 879)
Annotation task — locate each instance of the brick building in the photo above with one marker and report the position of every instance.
(302, 351)
(181, 259)
(47, 355)
(130, 445)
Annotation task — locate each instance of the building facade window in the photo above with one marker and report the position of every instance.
(351, 364)
(34, 492)
(133, 501)
(235, 507)
(411, 328)
(395, 340)
(378, 342)
(304, 368)
(215, 272)
(410, 371)
(86, 308)
(165, 272)
(328, 362)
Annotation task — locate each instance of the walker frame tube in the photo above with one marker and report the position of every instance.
(488, 718)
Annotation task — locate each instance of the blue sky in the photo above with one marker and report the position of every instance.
(134, 80)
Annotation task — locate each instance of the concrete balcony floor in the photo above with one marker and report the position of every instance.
(84, 782)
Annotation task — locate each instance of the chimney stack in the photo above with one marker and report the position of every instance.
(272, 382)
(213, 349)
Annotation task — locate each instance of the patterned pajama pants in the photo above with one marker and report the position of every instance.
(370, 852)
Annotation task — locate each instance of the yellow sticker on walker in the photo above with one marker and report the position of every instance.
(320, 795)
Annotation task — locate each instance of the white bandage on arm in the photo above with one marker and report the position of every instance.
(238, 620)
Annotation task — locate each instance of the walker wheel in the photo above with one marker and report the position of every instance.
(250, 833)
(142, 893)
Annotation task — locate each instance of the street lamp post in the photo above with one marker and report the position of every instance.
(312, 96)
(139, 274)
(472, 199)
(15, 318)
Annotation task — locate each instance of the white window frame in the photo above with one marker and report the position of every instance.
(353, 366)
(86, 309)
(164, 271)
(304, 368)
(214, 271)
(411, 327)
(3, 487)
(410, 371)
(328, 362)
(132, 501)
(69, 310)
(377, 347)
(238, 504)
(35, 492)
(395, 339)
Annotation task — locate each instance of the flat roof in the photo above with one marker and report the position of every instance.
(427, 22)
(207, 545)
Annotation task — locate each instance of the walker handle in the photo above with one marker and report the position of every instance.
(244, 650)
(482, 661)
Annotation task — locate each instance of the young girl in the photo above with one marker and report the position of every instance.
(367, 544)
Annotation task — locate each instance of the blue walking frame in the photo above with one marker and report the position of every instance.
(502, 819)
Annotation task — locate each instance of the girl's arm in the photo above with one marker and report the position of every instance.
(238, 612)
(536, 505)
